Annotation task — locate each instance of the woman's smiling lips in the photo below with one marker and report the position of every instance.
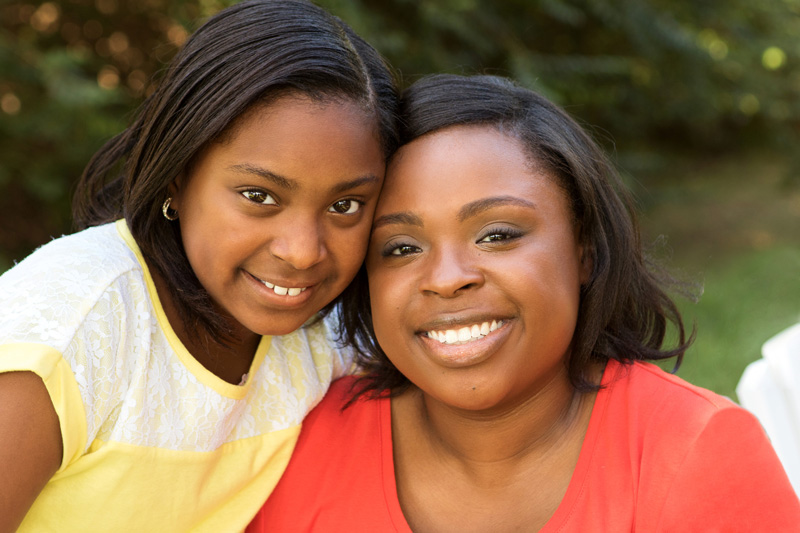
(465, 333)
(465, 344)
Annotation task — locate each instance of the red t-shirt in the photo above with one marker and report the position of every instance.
(659, 455)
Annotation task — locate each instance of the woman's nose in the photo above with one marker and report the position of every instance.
(450, 272)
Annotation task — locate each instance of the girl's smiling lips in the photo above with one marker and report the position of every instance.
(290, 293)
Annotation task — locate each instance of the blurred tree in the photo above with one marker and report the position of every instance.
(70, 74)
(697, 75)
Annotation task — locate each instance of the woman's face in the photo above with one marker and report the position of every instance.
(275, 218)
(474, 270)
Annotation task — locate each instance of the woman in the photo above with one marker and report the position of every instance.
(505, 341)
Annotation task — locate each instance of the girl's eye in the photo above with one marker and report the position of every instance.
(345, 207)
(500, 234)
(400, 249)
(259, 197)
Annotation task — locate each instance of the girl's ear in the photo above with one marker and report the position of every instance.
(174, 190)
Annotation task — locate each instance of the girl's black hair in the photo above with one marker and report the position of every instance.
(624, 311)
(246, 55)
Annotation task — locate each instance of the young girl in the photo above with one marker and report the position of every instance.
(140, 387)
(508, 388)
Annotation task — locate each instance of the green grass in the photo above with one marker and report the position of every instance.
(733, 225)
(747, 299)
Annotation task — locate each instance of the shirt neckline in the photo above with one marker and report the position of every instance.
(577, 483)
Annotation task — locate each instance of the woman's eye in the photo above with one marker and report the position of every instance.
(504, 234)
(495, 237)
(345, 207)
(259, 197)
(401, 249)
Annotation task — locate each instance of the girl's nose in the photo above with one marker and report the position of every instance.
(301, 243)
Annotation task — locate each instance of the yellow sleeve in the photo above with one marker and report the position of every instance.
(48, 364)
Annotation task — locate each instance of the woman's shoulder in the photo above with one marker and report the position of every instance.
(340, 404)
(663, 414)
(340, 425)
(674, 445)
(667, 420)
(650, 389)
(700, 458)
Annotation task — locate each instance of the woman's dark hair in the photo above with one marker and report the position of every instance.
(249, 54)
(624, 311)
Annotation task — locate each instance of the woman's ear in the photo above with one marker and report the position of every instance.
(587, 263)
(585, 253)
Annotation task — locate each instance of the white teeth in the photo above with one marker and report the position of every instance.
(283, 291)
(465, 334)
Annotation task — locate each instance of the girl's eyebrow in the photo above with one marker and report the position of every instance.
(357, 182)
(292, 185)
(479, 206)
(280, 181)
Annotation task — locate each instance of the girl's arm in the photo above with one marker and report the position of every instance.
(30, 444)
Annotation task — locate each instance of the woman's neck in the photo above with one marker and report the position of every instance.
(512, 465)
(532, 425)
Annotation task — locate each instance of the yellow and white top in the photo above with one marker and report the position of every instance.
(152, 440)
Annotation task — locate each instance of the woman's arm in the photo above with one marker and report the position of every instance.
(30, 444)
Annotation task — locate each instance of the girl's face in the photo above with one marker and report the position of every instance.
(275, 218)
(474, 270)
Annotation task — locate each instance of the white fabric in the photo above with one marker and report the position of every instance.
(770, 389)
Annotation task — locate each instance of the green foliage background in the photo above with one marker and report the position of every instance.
(693, 75)
(659, 81)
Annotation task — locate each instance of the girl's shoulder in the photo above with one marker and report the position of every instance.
(101, 251)
(46, 297)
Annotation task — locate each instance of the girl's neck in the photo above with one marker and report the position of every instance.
(229, 362)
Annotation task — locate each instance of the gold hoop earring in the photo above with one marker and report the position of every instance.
(169, 214)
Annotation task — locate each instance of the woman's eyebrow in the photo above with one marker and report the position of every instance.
(254, 170)
(479, 206)
(406, 218)
(469, 210)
